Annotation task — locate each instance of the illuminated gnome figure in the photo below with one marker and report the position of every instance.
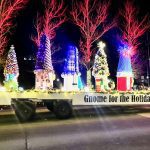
(100, 69)
(124, 71)
(71, 74)
(11, 70)
(44, 71)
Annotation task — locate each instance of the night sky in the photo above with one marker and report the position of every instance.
(67, 33)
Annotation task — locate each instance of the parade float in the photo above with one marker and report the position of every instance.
(73, 93)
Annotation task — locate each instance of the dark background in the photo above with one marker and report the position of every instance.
(66, 34)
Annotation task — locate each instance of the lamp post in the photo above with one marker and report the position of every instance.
(148, 64)
(148, 68)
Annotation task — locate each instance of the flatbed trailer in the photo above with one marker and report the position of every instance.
(61, 103)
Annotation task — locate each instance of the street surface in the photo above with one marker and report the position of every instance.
(110, 128)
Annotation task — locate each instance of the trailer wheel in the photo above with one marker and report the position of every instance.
(63, 109)
(49, 105)
(24, 110)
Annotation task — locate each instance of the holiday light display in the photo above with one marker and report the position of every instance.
(44, 70)
(71, 74)
(89, 19)
(11, 70)
(124, 71)
(100, 69)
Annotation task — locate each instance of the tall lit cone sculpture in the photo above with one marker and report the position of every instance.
(44, 71)
(124, 71)
(71, 74)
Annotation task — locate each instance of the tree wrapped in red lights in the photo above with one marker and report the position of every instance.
(53, 17)
(90, 16)
(8, 10)
(132, 29)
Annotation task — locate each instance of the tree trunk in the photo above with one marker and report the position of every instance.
(88, 77)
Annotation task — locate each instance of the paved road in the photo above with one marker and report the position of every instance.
(97, 129)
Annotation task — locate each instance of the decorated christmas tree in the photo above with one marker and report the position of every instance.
(11, 70)
(100, 69)
(44, 70)
(71, 74)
